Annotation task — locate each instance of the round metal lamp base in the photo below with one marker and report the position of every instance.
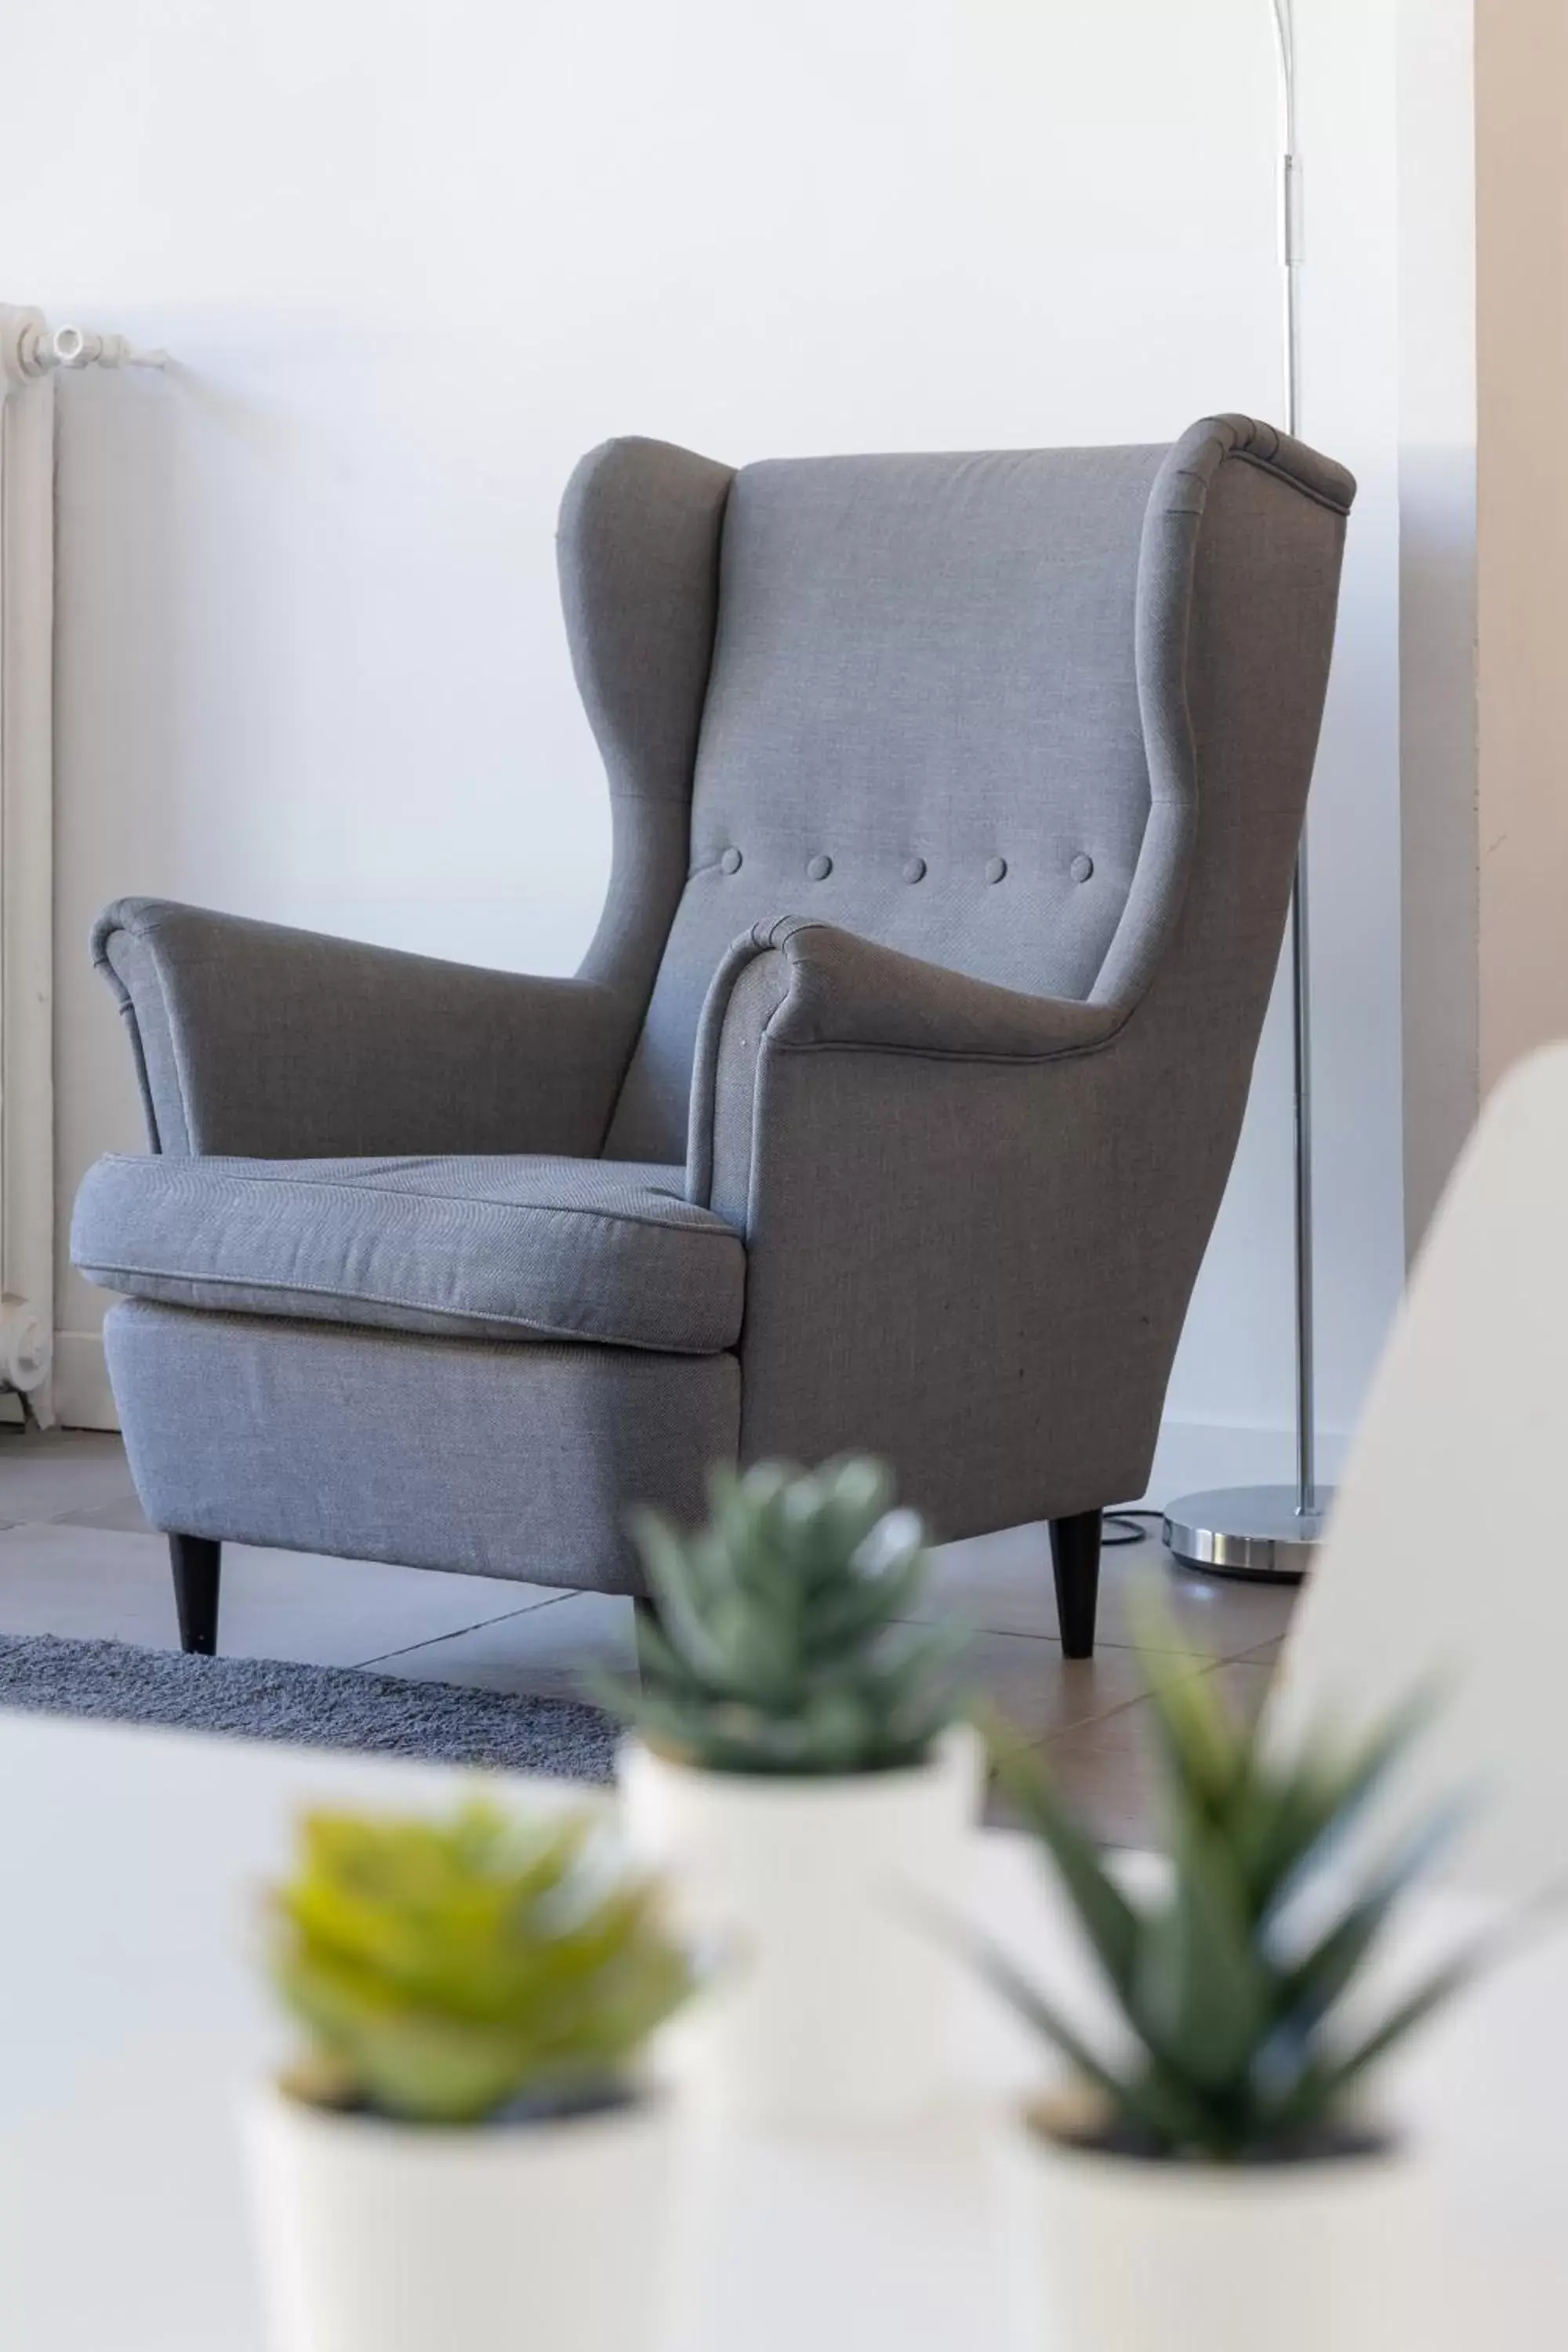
(1254, 1531)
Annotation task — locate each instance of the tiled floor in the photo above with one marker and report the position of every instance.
(77, 1558)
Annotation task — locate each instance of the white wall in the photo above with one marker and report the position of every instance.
(1235, 1369)
(413, 261)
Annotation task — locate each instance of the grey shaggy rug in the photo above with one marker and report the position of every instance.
(313, 1707)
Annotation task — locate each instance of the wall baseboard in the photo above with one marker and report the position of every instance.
(83, 1398)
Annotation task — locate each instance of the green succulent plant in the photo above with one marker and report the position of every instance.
(1232, 1981)
(442, 1971)
(777, 1647)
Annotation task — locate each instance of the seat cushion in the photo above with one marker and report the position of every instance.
(527, 1249)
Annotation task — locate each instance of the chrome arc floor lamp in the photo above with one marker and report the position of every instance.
(1271, 1532)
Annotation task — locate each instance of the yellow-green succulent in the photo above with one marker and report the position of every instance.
(442, 1971)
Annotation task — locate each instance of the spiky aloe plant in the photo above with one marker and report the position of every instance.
(1232, 1981)
(777, 1647)
(444, 1971)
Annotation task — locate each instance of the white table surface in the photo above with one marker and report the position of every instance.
(131, 2016)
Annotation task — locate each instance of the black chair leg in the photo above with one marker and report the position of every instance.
(644, 1612)
(196, 1561)
(1075, 1558)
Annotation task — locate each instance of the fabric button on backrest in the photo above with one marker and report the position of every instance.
(819, 868)
(995, 868)
(731, 861)
(914, 870)
(1082, 867)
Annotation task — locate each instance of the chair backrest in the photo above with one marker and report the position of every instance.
(914, 696)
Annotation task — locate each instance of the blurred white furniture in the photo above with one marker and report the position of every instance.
(130, 2016)
(1449, 1553)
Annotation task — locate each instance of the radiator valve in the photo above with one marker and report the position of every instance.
(25, 1352)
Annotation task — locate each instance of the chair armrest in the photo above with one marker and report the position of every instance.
(801, 986)
(972, 1225)
(254, 1040)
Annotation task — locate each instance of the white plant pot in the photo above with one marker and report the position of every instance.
(836, 2000)
(382, 2237)
(1111, 2254)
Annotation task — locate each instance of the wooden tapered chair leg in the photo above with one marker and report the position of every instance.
(197, 1563)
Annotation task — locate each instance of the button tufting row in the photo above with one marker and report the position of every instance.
(914, 869)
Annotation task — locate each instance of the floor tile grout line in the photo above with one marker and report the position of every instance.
(109, 1503)
(434, 1641)
(1094, 1722)
(1209, 1657)
(79, 1527)
(1123, 1706)
(89, 1518)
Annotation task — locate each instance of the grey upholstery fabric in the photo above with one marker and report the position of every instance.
(932, 1174)
(800, 984)
(455, 1454)
(924, 667)
(955, 805)
(492, 1249)
(251, 1038)
(638, 557)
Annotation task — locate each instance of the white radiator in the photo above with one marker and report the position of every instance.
(30, 352)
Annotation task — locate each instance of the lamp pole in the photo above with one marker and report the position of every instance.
(1271, 1532)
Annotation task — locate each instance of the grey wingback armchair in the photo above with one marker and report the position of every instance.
(956, 803)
